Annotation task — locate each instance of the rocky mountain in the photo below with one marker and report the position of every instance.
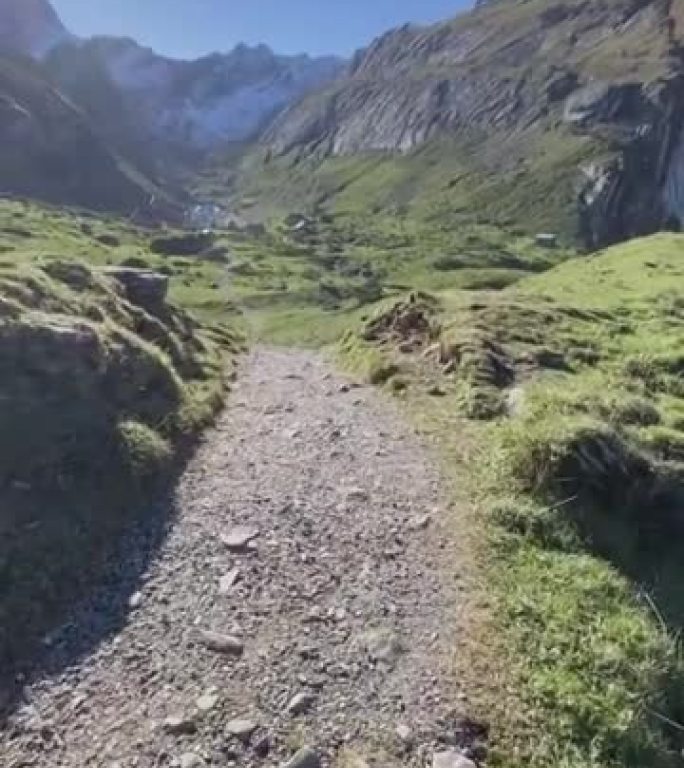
(49, 150)
(195, 105)
(564, 114)
(144, 115)
(30, 26)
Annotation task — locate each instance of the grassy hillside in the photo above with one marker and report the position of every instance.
(529, 178)
(307, 285)
(563, 397)
(104, 383)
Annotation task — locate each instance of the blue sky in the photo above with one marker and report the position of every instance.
(191, 27)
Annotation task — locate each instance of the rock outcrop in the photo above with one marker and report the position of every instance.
(101, 383)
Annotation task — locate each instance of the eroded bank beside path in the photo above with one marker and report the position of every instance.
(308, 594)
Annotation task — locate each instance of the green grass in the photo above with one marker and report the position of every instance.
(578, 474)
(528, 178)
(311, 288)
(30, 232)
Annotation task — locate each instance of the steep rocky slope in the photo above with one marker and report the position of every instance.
(564, 113)
(49, 150)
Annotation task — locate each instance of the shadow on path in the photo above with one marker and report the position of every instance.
(49, 624)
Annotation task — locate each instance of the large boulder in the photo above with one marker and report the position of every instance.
(144, 287)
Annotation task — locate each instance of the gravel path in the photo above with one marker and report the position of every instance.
(305, 595)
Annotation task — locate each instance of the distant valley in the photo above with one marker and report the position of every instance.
(562, 118)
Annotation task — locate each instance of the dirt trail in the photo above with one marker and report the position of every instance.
(344, 602)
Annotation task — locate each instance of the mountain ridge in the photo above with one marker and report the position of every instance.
(149, 114)
(570, 108)
(200, 103)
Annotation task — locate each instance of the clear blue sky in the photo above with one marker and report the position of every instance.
(191, 27)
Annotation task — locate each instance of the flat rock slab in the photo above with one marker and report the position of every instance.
(451, 758)
(240, 538)
(339, 632)
(241, 729)
(304, 758)
(225, 644)
(179, 724)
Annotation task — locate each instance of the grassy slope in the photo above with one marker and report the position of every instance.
(580, 491)
(529, 178)
(100, 396)
(310, 288)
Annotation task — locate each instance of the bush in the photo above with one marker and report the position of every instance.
(633, 411)
(144, 452)
(664, 442)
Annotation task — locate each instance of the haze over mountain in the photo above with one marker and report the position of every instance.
(194, 104)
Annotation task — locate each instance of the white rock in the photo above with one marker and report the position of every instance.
(305, 758)
(240, 538)
(451, 758)
(207, 702)
(228, 581)
(241, 728)
(384, 646)
(420, 523)
(191, 760)
(178, 724)
(301, 703)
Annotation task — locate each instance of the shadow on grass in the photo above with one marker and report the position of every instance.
(645, 543)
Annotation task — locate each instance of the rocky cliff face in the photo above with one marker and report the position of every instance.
(521, 84)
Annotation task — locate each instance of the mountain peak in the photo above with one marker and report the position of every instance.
(30, 27)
